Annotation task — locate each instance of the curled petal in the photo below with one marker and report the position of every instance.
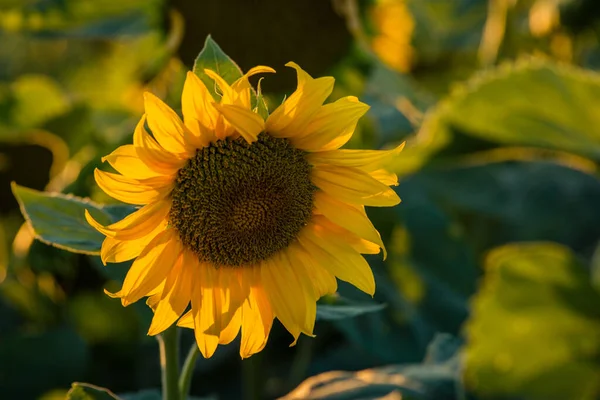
(297, 111)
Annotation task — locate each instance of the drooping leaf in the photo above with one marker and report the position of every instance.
(212, 57)
(535, 328)
(58, 219)
(437, 377)
(85, 391)
(342, 309)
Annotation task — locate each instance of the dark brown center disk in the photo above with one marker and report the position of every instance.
(236, 204)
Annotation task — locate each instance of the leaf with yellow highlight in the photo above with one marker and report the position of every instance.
(535, 327)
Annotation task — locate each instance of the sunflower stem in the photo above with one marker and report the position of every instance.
(168, 344)
(185, 379)
(252, 377)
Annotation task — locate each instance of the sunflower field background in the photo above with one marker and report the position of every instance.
(491, 288)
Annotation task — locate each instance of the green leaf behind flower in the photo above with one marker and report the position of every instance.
(58, 219)
(212, 57)
(535, 327)
(346, 309)
(528, 103)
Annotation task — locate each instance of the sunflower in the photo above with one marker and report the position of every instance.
(246, 219)
(395, 25)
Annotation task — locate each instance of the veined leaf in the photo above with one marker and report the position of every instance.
(212, 57)
(58, 219)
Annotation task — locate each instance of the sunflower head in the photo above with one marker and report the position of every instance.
(244, 219)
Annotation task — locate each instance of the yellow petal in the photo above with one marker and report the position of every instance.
(350, 217)
(246, 123)
(257, 320)
(152, 301)
(242, 87)
(138, 223)
(152, 154)
(338, 257)
(186, 320)
(118, 250)
(133, 191)
(297, 111)
(231, 330)
(152, 266)
(196, 105)
(366, 160)
(385, 177)
(307, 287)
(228, 95)
(286, 295)
(175, 297)
(360, 245)
(353, 186)
(166, 126)
(332, 126)
(323, 281)
(126, 161)
(204, 308)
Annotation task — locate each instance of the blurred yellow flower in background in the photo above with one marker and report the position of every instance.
(247, 219)
(394, 24)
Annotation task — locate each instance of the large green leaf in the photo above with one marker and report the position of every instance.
(212, 57)
(535, 328)
(58, 219)
(529, 103)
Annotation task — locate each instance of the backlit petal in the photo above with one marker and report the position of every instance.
(118, 250)
(166, 126)
(204, 308)
(133, 191)
(152, 266)
(136, 224)
(152, 154)
(348, 216)
(246, 123)
(366, 160)
(332, 126)
(323, 281)
(175, 297)
(353, 186)
(286, 295)
(257, 320)
(242, 86)
(126, 161)
(338, 257)
(297, 111)
(196, 104)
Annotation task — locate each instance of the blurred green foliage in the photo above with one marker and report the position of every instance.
(490, 290)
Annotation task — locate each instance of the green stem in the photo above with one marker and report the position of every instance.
(185, 379)
(252, 377)
(168, 343)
